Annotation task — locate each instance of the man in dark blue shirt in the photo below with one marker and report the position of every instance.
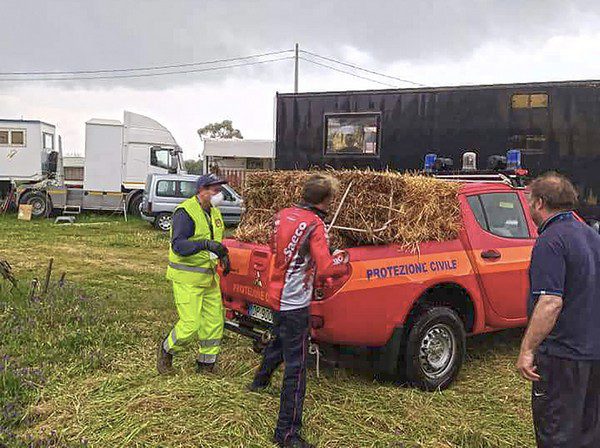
(560, 352)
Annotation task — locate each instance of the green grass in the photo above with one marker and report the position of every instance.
(97, 385)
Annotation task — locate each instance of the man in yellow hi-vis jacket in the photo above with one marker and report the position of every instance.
(196, 235)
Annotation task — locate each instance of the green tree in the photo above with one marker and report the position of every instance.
(224, 129)
(193, 166)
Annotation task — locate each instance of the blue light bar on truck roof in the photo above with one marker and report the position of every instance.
(430, 162)
(513, 159)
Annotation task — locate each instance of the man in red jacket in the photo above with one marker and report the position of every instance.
(300, 248)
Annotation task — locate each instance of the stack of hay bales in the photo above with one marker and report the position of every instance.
(380, 208)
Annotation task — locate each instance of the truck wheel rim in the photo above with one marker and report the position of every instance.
(164, 222)
(38, 207)
(438, 351)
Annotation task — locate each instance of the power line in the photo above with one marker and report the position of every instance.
(145, 75)
(347, 73)
(356, 67)
(156, 67)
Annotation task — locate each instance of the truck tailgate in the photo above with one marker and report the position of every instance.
(248, 280)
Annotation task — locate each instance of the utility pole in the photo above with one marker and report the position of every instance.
(296, 69)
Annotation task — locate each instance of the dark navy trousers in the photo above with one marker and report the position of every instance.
(566, 403)
(289, 346)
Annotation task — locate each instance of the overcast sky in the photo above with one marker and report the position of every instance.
(450, 42)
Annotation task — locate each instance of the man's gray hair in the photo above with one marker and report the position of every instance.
(555, 190)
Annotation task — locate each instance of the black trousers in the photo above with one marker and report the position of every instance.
(566, 403)
(290, 346)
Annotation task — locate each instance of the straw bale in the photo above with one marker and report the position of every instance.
(381, 207)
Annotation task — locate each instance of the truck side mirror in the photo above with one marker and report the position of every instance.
(173, 165)
(174, 160)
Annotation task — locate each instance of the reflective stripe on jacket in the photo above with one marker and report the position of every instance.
(198, 269)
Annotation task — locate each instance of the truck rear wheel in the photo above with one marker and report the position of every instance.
(135, 204)
(435, 349)
(41, 205)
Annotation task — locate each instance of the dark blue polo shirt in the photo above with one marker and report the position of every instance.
(566, 262)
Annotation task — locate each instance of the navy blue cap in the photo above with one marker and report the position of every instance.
(206, 180)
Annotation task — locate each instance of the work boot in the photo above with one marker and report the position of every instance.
(253, 387)
(164, 360)
(205, 367)
(294, 442)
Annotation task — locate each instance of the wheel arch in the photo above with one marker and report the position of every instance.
(21, 193)
(451, 295)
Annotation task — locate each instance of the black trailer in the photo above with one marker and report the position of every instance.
(556, 125)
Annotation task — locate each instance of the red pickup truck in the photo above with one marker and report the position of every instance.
(411, 310)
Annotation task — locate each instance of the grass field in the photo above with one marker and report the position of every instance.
(77, 366)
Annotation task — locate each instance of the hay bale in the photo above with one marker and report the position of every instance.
(381, 207)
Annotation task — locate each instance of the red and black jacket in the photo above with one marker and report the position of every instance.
(300, 247)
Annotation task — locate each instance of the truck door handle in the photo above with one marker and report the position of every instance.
(492, 254)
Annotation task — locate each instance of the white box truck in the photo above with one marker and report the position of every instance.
(118, 158)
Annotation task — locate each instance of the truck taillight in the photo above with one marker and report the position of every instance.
(149, 207)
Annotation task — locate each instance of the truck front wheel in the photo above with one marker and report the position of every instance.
(435, 349)
(40, 203)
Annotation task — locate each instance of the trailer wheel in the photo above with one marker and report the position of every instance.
(435, 349)
(40, 203)
(163, 221)
(135, 205)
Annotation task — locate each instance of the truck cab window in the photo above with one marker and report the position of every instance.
(504, 215)
(477, 209)
(160, 158)
(166, 188)
(3, 137)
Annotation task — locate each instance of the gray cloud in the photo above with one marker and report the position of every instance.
(75, 35)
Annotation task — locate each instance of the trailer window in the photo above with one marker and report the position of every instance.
(48, 141)
(3, 137)
(160, 158)
(504, 215)
(17, 138)
(356, 134)
(166, 188)
(529, 100)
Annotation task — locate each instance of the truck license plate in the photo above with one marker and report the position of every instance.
(260, 312)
